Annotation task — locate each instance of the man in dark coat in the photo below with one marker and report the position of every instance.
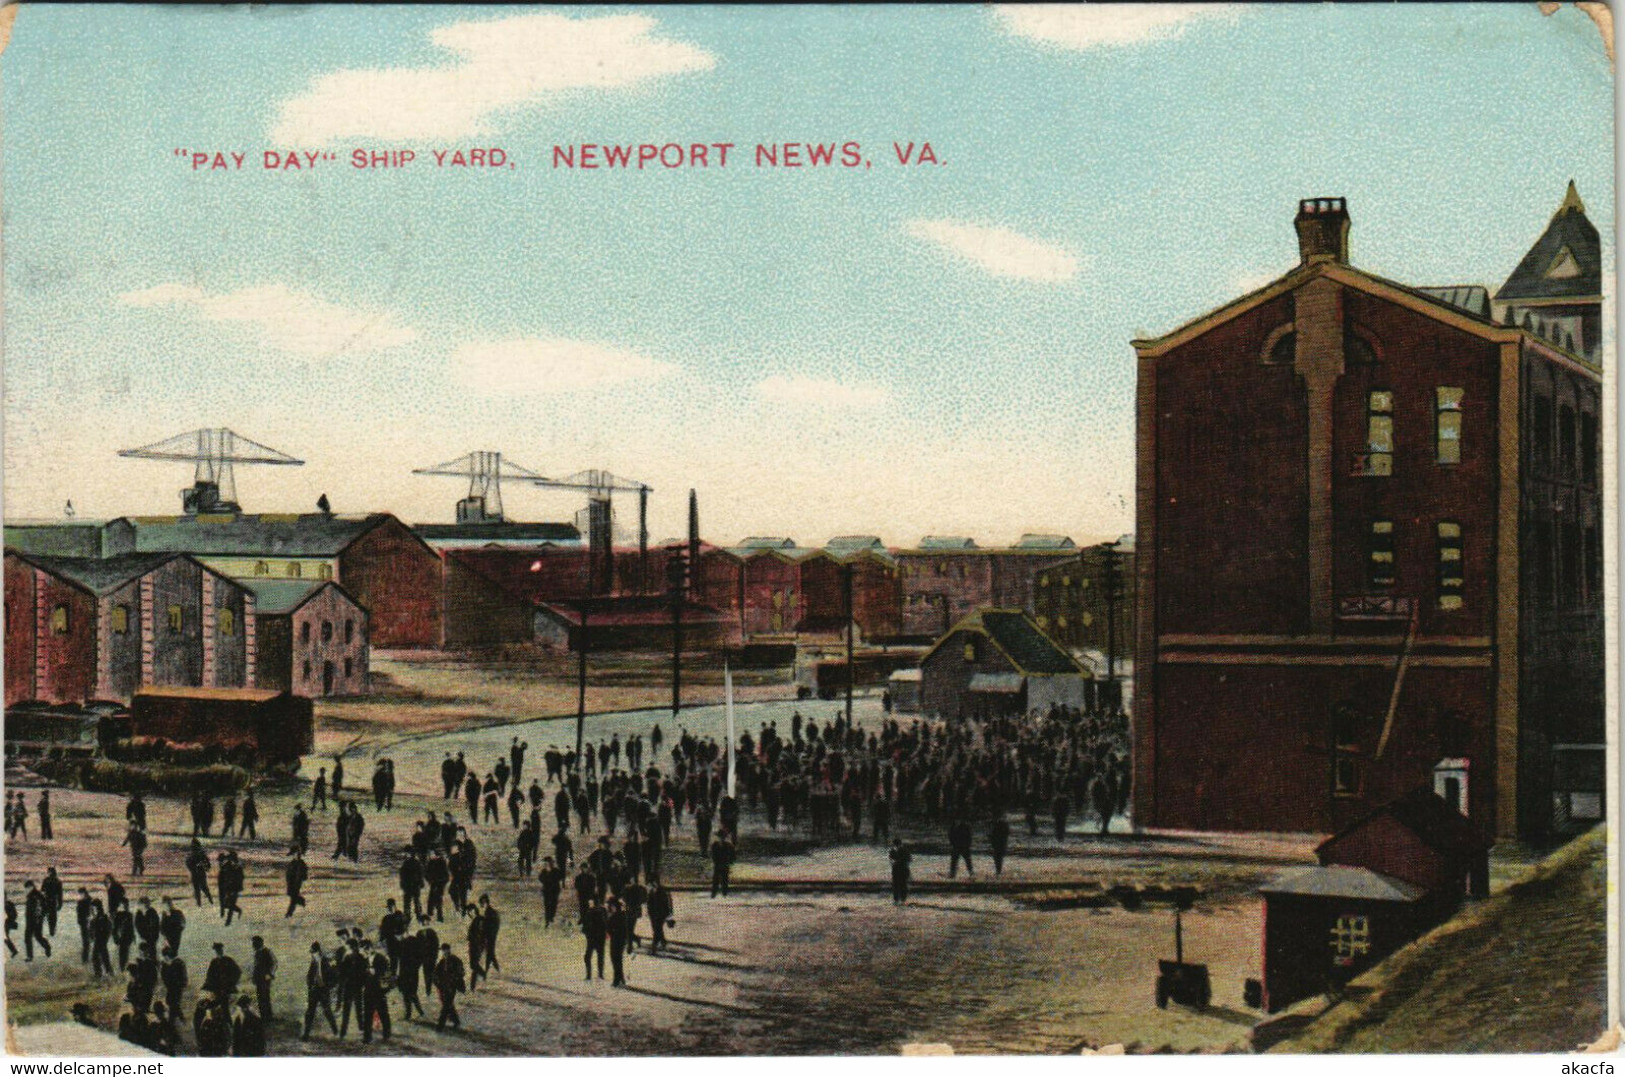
(959, 839)
(476, 947)
(51, 887)
(136, 839)
(223, 974)
(722, 860)
(595, 927)
(552, 881)
(294, 876)
(247, 1032)
(301, 829)
(262, 973)
(123, 932)
(998, 839)
(411, 877)
(197, 868)
(375, 998)
(173, 974)
(171, 925)
(101, 930)
(147, 923)
(83, 909)
(901, 859)
(493, 927)
(620, 936)
(411, 965)
(352, 977)
(249, 818)
(660, 910)
(448, 981)
(319, 990)
(436, 874)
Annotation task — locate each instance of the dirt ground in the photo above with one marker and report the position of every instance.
(806, 956)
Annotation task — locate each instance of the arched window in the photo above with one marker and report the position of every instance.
(177, 620)
(324, 572)
(261, 568)
(227, 620)
(293, 570)
(59, 620)
(327, 631)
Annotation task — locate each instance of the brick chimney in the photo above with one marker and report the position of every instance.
(1323, 230)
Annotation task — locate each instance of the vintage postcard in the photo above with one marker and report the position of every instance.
(808, 530)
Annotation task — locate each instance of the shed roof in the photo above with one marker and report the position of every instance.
(1472, 298)
(1425, 814)
(102, 575)
(763, 542)
(274, 596)
(251, 695)
(1343, 882)
(853, 543)
(1019, 639)
(316, 534)
(1565, 262)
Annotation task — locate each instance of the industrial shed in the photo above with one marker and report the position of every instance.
(995, 663)
(278, 727)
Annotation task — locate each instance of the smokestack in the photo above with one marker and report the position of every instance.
(1323, 230)
(693, 537)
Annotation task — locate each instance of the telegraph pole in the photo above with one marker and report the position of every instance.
(581, 681)
(1111, 579)
(676, 579)
(851, 676)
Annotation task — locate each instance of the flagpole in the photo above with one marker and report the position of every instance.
(728, 685)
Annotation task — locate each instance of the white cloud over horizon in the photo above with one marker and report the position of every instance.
(1090, 26)
(552, 365)
(284, 317)
(821, 392)
(500, 64)
(999, 251)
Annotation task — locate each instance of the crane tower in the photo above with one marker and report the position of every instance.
(212, 452)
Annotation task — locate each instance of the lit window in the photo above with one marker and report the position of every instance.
(1378, 459)
(1448, 442)
(1043, 621)
(1380, 554)
(59, 620)
(293, 570)
(177, 619)
(1351, 937)
(970, 652)
(324, 572)
(1450, 566)
(1087, 619)
(1061, 620)
(121, 619)
(227, 622)
(261, 568)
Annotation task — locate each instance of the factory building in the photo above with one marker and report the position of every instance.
(1368, 551)
(312, 638)
(996, 663)
(947, 578)
(1071, 604)
(101, 628)
(378, 560)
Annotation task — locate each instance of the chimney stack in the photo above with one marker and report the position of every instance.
(1323, 230)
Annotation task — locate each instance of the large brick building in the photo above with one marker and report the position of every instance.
(80, 628)
(947, 578)
(1368, 552)
(387, 568)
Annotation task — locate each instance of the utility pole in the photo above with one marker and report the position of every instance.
(851, 674)
(1111, 579)
(581, 680)
(677, 582)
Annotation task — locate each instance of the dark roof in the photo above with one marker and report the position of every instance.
(314, 534)
(1569, 231)
(1472, 299)
(285, 596)
(499, 532)
(1343, 882)
(59, 538)
(1032, 651)
(102, 575)
(1425, 814)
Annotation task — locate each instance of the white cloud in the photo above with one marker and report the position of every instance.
(284, 318)
(552, 365)
(500, 64)
(822, 392)
(1000, 251)
(1089, 26)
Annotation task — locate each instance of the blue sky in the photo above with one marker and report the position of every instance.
(895, 350)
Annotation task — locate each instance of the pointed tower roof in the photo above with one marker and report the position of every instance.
(1564, 263)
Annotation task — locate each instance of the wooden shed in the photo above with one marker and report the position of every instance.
(278, 726)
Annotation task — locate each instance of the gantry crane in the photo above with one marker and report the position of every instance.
(485, 472)
(600, 487)
(212, 452)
